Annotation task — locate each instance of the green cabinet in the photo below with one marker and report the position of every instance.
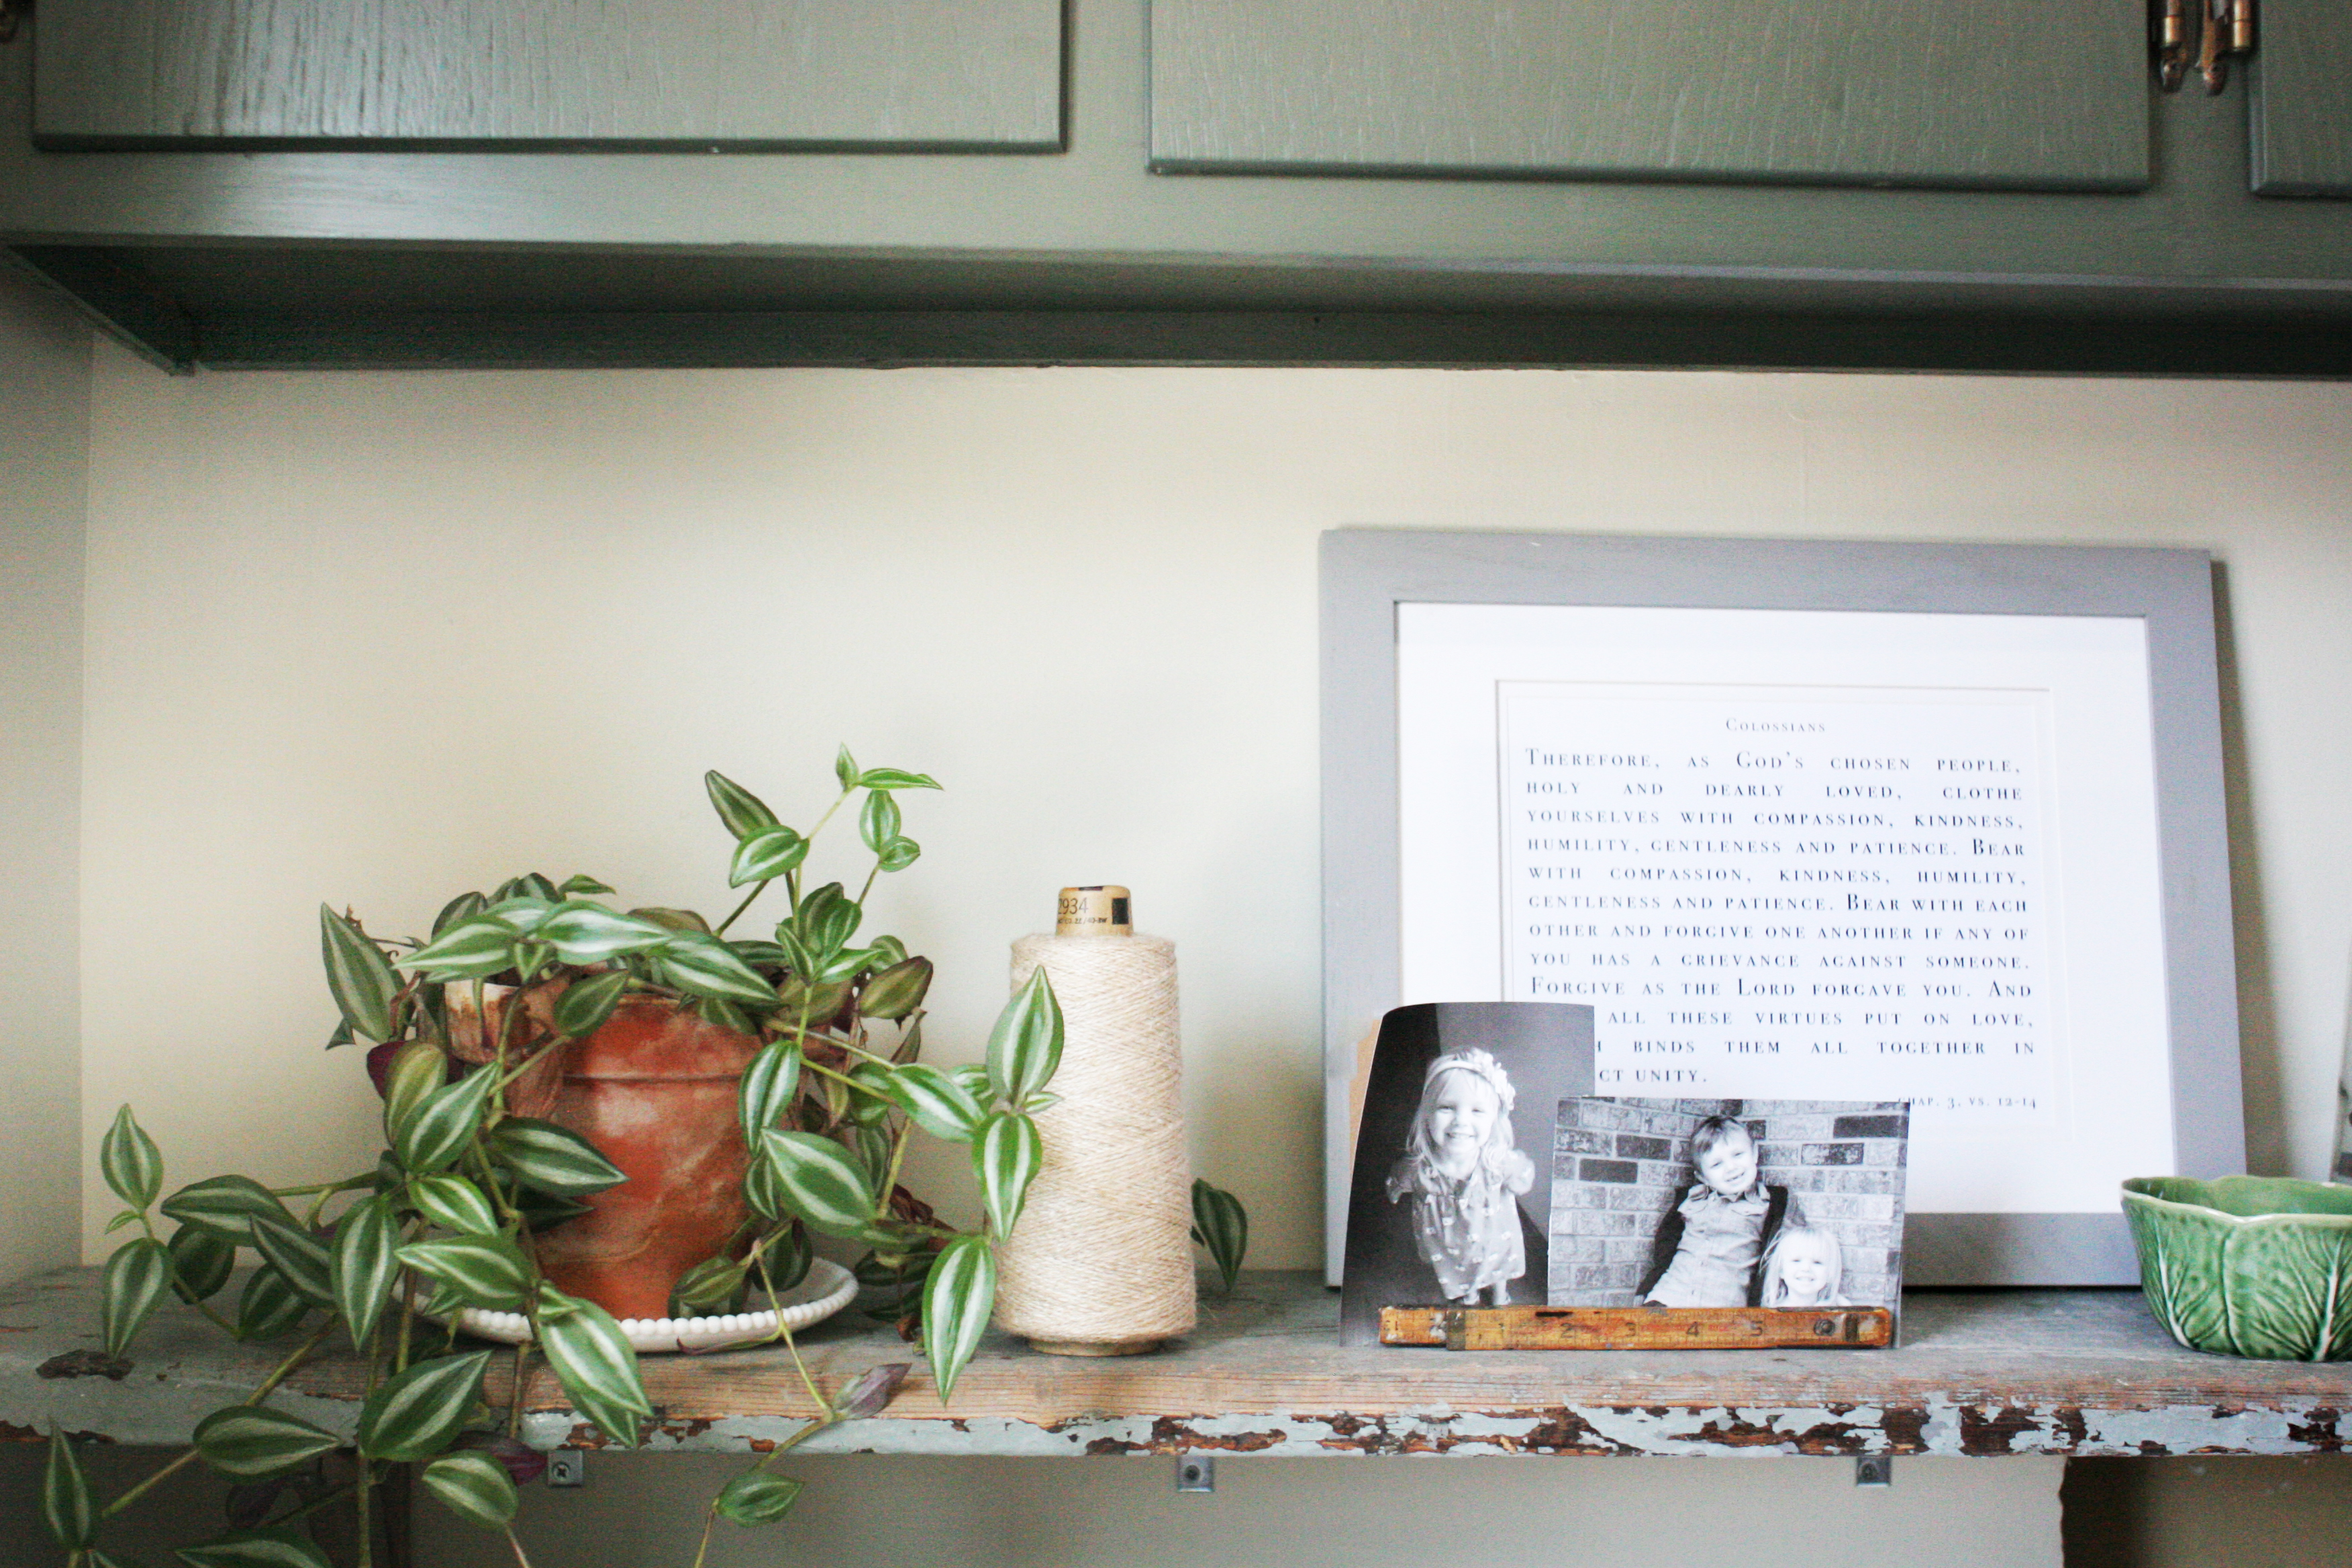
(2301, 90)
(1740, 183)
(1981, 94)
(882, 74)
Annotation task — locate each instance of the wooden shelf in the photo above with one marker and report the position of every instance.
(1980, 1373)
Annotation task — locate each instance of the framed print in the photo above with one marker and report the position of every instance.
(1806, 821)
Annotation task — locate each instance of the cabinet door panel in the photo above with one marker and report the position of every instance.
(983, 74)
(2031, 94)
(2301, 101)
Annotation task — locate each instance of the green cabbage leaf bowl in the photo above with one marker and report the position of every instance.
(2247, 1266)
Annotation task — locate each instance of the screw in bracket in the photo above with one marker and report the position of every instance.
(1874, 1471)
(1196, 1473)
(567, 1467)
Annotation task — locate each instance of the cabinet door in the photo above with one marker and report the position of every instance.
(2017, 94)
(2301, 103)
(843, 74)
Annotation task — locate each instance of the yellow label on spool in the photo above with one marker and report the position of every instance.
(1094, 911)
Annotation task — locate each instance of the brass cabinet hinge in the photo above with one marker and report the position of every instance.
(2200, 33)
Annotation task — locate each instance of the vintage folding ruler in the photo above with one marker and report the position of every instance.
(1638, 1328)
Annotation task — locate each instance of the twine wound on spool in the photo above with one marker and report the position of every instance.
(1101, 1261)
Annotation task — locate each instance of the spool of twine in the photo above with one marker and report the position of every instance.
(1100, 1262)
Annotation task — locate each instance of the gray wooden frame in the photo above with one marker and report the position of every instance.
(1366, 573)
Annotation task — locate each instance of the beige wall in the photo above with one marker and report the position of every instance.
(374, 638)
(45, 363)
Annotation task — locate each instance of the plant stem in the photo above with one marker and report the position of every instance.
(757, 888)
(832, 1418)
(898, 1161)
(514, 1405)
(268, 1385)
(512, 1541)
(366, 1523)
(299, 1509)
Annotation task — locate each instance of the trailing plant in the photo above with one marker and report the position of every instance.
(461, 1025)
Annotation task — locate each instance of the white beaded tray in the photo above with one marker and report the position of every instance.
(826, 1289)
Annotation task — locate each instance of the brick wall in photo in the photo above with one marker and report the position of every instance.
(1620, 1165)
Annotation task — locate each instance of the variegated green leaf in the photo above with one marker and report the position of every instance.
(900, 853)
(439, 1129)
(768, 1086)
(225, 1205)
(201, 1263)
(877, 820)
(743, 812)
(550, 1159)
(578, 886)
(583, 932)
(257, 1549)
(705, 966)
(587, 1005)
(973, 1080)
(763, 1191)
(1025, 1047)
(814, 1003)
(957, 1297)
(939, 1105)
(64, 1495)
(473, 1485)
(819, 1182)
(269, 1306)
(1006, 1157)
(250, 1441)
(525, 911)
(873, 1147)
(473, 949)
(298, 1256)
(462, 908)
(847, 965)
(1222, 1226)
(358, 975)
(784, 1256)
(416, 1071)
(826, 920)
(673, 920)
(130, 1163)
(870, 1104)
(480, 1270)
(135, 1280)
(845, 768)
(895, 778)
(712, 1284)
(453, 1203)
(365, 1265)
(593, 1361)
(758, 952)
(756, 1497)
(896, 990)
(766, 854)
(414, 1414)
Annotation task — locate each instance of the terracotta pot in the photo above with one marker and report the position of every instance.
(655, 1089)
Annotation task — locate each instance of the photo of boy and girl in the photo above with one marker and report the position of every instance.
(1670, 1203)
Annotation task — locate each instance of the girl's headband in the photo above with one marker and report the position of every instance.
(1480, 1063)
